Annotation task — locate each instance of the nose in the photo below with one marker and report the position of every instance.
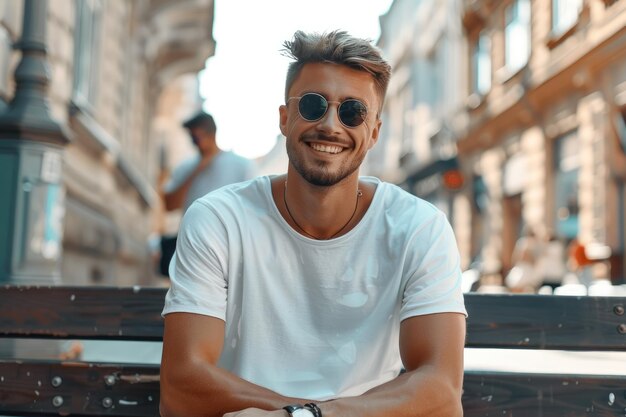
(330, 123)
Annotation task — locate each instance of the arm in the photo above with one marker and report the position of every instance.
(431, 347)
(192, 384)
(174, 199)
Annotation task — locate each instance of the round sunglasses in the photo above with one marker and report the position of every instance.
(313, 106)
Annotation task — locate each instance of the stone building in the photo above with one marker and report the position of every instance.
(542, 141)
(423, 41)
(114, 67)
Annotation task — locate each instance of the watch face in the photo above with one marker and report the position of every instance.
(302, 412)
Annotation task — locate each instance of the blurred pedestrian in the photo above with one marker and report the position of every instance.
(551, 265)
(523, 277)
(210, 169)
(578, 262)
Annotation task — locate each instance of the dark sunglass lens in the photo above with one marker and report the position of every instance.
(352, 113)
(312, 107)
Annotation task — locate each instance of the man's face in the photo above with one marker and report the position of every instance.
(324, 152)
(201, 138)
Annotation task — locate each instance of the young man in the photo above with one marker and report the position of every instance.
(306, 294)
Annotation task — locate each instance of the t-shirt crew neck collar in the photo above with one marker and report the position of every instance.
(376, 200)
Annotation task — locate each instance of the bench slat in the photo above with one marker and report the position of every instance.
(133, 391)
(106, 313)
(546, 322)
(532, 395)
(78, 389)
(499, 321)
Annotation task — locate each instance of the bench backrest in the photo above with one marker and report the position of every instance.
(54, 387)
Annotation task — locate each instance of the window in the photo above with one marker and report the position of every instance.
(564, 14)
(86, 39)
(566, 168)
(481, 64)
(517, 35)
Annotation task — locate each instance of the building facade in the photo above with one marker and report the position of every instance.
(510, 116)
(423, 41)
(110, 64)
(543, 138)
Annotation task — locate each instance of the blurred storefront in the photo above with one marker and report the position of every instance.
(424, 43)
(545, 125)
(510, 116)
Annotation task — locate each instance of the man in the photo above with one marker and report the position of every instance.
(208, 170)
(306, 294)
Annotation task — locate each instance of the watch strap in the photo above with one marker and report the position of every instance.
(317, 412)
(293, 407)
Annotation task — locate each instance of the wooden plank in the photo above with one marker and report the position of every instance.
(106, 313)
(531, 395)
(78, 389)
(84, 389)
(546, 322)
(501, 321)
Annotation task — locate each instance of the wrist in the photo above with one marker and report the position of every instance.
(298, 410)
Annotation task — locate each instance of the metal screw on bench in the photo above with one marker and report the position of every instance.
(619, 310)
(622, 328)
(107, 402)
(109, 380)
(57, 401)
(56, 381)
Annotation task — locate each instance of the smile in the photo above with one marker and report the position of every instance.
(326, 148)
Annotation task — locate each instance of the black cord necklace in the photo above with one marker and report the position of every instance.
(359, 193)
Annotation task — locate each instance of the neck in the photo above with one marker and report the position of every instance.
(321, 213)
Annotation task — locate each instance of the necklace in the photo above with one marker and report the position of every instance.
(359, 193)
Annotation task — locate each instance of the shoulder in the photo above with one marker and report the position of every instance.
(234, 198)
(188, 163)
(407, 209)
(232, 158)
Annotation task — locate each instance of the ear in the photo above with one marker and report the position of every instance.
(283, 111)
(375, 133)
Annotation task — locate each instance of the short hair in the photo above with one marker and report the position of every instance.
(202, 120)
(337, 47)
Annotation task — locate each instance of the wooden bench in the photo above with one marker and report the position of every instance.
(54, 387)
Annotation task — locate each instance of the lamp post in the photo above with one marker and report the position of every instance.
(31, 161)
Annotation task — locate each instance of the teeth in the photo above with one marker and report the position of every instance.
(326, 148)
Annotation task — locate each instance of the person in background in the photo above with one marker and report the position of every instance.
(306, 294)
(210, 169)
(523, 277)
(551, 265)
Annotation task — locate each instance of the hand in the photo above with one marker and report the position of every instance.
(256, 412)
(205, 161)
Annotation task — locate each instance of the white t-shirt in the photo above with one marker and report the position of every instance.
(225, 168)
(308, 318)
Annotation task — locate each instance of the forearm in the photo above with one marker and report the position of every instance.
(175, 199)
(206, 390)
(421, 392)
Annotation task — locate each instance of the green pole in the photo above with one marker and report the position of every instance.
(31, 162)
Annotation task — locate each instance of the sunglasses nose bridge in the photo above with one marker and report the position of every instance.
(331, 115)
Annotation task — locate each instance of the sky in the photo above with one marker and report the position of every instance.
(243, 83)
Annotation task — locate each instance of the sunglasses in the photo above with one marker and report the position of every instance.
(312, 107)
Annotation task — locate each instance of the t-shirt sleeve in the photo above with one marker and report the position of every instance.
(434, 283)
(198, 271)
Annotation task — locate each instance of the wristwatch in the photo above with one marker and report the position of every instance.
(296, 410)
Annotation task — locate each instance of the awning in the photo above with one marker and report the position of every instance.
(435, 167)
